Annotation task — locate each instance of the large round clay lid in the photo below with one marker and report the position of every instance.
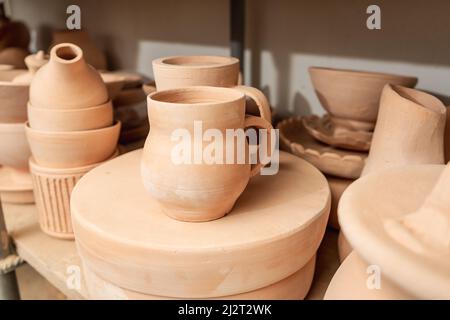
(373, 200)
(273, 231)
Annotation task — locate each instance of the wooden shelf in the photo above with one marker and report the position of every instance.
(52, 257)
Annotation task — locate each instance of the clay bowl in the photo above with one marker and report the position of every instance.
(13, 102)
(114, 83)
(6, 67)
(14, 149)
(58, 120)
(351, 94)
(74, 148)
(10, 75)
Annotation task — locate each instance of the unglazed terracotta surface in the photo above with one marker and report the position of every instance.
(149, 87)
(409, 130)
(34, 62)
(181, 188)
(324, 130)
(52, 188)
(351, 280)
(344, 248)
(114, 83)
(60, 120)
(353, 95)
(15, 186)
(276, 227)
(447, 137)
(93, 55)
(14, 149)
(72, 148)
(394, 194)
(337, 188)
(294, 287)
(13, 102)
(340, 163)
(67, 81)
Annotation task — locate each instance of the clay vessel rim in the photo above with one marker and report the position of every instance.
(66, 171)
(13, 84)
(220, 61)
(12, 127)
(363, 230)
(62, 134)
(6, 67)
(360, 73)
(411, 94)
(74, 110)
(229, 96)
(111, 77)
(74, 50)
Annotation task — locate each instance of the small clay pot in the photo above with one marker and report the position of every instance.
(73, 148)
(13, 102)
(353, 95)
(182, 189)
(396, 141)
(94, 56)
(67, 81)
(59, 120)
(14, 149)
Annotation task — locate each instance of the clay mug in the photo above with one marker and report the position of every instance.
(217, 71)
(194, 188)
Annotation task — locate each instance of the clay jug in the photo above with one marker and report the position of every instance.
(217, 71)
(34, 62)
(192, 187)
(409, 130)
(92, 54)
(67, 81)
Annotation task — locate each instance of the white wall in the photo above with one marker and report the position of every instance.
(284, 38)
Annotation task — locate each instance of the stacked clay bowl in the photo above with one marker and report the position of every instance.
(338, 142)
(70, 131)
(265, 248)
(15, 181)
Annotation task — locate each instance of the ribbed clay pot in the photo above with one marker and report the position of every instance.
(93, 55)
(409, 130)
(72, 148)
(353, 95)
(180, 186)
(67, 81)
(13, 102)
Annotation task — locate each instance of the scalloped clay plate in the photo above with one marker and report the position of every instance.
(366, 211)
(324, 130)
(341, 163)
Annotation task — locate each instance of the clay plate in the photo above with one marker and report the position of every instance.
(341, 163)
(324, 130)
(378, 197)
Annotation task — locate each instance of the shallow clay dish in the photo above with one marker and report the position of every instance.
(72, 148)
(350, 283)
(131, 80)
(13, 102)
(353, 95)
(114, 83)
(391, 194)
(15, 186)
(324, 130)
(329, 160)
(277, 225)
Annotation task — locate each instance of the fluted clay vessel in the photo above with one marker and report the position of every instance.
(67, 81)
(353, 95)
(409, 130)
(180, 184)
(92, 53)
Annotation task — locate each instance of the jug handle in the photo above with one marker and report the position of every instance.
(253, 121)
(260, 100)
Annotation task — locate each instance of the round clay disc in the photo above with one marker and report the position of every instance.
(274, 229)
(337, 162)
(376, 198)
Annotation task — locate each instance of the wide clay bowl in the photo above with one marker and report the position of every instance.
(14, 149)
(59, 120)
(13, 102)
(354, 95)
(72, 149)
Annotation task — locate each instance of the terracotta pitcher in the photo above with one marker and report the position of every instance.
(409, 130)
(217, 71)
(194, 187)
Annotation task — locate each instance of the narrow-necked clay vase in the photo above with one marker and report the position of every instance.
(93, 55)
(409, 130)
(34, 62)
(216, 71)
(67, 81)
(189, 185)
(353, 95)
